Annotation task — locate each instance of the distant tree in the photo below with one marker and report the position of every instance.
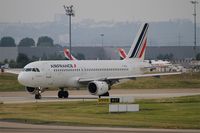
(27, 42)
(44, 57)
(56, 56)
(198, 56)
(1, 63)
(80, 56)
(5, 61)
(7, 42)
(12, 64)
(170, 56)
(22, 60)
(58, 45)
(165, 57)
(160, 57)
(34, 58)
(45, 41)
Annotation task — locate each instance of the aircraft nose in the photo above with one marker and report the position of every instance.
(21, 79)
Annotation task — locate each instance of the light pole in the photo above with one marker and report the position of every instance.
(195, 25)
(102, 35)
(69, 12)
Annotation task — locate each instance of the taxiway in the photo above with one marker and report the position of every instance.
(11, 127)
(83, 95)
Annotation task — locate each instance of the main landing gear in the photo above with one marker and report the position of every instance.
(62, 93)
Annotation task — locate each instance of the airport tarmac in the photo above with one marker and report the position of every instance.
(83, 95)
(11, 127)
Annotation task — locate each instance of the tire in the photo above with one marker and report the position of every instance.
(60, 94)
(37, 96)
(66, 94)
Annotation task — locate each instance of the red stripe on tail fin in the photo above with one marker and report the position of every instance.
(143, 48)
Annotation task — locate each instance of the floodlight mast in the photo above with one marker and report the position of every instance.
(102, 35)
(195, 27)
(69, 12)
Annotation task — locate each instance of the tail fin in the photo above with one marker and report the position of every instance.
(122, 53)
(139, 45)
(68, 55)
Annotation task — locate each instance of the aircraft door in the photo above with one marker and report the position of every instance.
(48, 77)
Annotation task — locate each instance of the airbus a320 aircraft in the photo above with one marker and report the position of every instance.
(97, 75)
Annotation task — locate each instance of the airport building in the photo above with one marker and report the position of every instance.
(179, 52)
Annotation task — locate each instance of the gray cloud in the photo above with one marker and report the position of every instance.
(99, 10)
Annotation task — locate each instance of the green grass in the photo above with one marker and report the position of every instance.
(183, 112)
(186, 80)
(8, 82)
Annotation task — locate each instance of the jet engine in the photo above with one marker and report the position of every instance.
(31, 90)
(35, 90)
(98, 87)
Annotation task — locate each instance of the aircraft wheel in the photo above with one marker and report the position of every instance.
(60, 94)
(37, 96)
(65, 94)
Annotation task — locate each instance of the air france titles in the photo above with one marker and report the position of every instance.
(63, 65)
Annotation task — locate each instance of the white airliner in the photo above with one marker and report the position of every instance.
(97, 75)
(160, 63)
(154, 63)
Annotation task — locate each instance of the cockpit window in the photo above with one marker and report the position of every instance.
(31, 70)
(27, 69)
(37, 70)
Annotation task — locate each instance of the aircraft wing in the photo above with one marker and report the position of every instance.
(82, 80)
(143, 75)
(13, 71)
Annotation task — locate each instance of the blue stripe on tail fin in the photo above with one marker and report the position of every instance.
(139, 45)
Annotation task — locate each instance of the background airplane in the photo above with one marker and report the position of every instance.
(68, 55)
(155, 63)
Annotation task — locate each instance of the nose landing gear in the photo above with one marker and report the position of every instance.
(38, 96)
(38, 93)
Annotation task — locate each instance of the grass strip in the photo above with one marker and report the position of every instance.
(181, 113)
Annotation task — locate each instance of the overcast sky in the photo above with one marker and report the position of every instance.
(98, 10)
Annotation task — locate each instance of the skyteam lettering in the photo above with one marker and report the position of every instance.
(63, 66)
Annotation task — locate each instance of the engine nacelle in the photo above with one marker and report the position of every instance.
(31, 90)
(98, 87)
(34, 90)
